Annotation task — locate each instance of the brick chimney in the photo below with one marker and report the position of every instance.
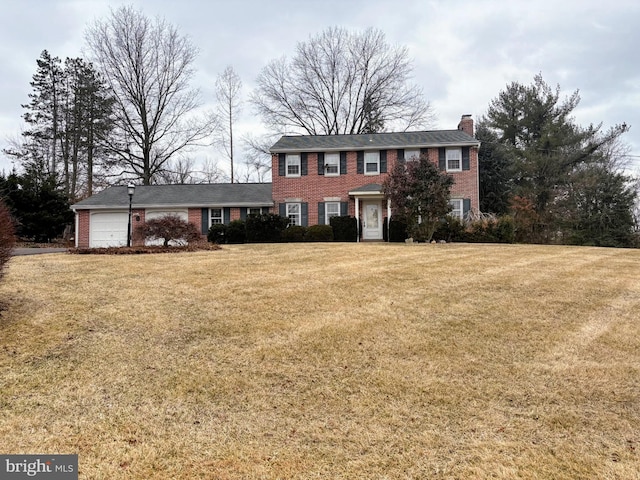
(466, 124)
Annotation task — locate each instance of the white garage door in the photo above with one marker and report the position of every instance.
(108, 229)
(149, 214)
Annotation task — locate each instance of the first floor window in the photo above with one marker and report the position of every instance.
(293, 214)
(216, 216)
(411, 155)
(457, 208)
(332, 164)
(293, 165)
(454, 159)
(331, 209)
(371, 163)
(254, 210)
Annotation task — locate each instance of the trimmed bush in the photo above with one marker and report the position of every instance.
(345, 228)
(217, 233)
(450, 229)
(319, 233)
(397, 230)
(265, 228)
(7, 236)
(237, 232)
(294, 233)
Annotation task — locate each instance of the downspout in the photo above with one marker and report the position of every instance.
(388, 219)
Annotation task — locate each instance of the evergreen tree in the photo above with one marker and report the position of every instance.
(547, 154)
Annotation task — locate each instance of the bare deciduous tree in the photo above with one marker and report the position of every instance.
(148, 66)
(228, 86)
(341, 83)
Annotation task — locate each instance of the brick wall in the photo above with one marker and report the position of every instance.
(314, 188)
(82, 225)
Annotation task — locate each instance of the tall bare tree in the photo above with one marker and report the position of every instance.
(228, 87)
(148, 65)
(340, 82)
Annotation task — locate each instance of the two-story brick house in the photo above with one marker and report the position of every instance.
(315, 177)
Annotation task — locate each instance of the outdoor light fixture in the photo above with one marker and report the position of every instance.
(131, 188)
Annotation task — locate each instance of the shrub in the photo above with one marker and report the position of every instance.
(236, 232)
(450, 229)
(294, 233)
(169, 228)
(397, 230)
(7, 237)
(491, 229)
(345, 228)
(267, 227)
(217, 233)
(319, 233)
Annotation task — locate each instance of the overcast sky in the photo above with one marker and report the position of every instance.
(465, 52)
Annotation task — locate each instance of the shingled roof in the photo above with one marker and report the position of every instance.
(317, 143)
(201, 195)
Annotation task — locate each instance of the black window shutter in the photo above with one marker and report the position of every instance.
(304, 219)
(383, 161)
(424, 152)
(303, 164)
(442, 158)
(400, 155)
(243, 213)
(282, 209)
(320, 163)
(465, 159)
(282, 164)
(205, 220)
(466, 206)
(226, 215)
(344, 208)
(360, 169)
(320, 213)
(343, 163)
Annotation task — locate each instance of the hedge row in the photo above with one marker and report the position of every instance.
(272, 228)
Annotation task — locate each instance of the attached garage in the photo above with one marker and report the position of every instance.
(108, 229)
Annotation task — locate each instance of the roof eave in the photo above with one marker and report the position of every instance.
(474, 143)
(172, 205)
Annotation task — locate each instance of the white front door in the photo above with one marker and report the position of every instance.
(372, 221)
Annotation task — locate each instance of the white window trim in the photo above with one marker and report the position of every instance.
(460, 203)
(295, 218)
(327, 217)
(254, 208)
(211, 216)
(293, 160)
(459, 151)
(332, 159)
(377, 162)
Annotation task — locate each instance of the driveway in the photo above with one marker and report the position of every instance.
(37, 251)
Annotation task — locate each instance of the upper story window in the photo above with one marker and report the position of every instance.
(454, 159)
(332, 164)
(371, 163)
(410, 155)
(293, 165)
(216, 216)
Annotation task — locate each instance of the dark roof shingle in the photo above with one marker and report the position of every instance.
(434, 138)
(200, 195)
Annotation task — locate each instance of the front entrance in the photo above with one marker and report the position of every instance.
(372, 221)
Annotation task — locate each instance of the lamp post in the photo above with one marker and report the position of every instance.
(131, 188)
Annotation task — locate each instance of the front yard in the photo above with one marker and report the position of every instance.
(316, 361)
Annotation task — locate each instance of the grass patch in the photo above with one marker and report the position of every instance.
(326, 361)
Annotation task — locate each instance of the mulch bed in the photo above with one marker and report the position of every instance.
(138, 250)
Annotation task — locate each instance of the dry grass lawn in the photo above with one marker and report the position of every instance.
(327, 361)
